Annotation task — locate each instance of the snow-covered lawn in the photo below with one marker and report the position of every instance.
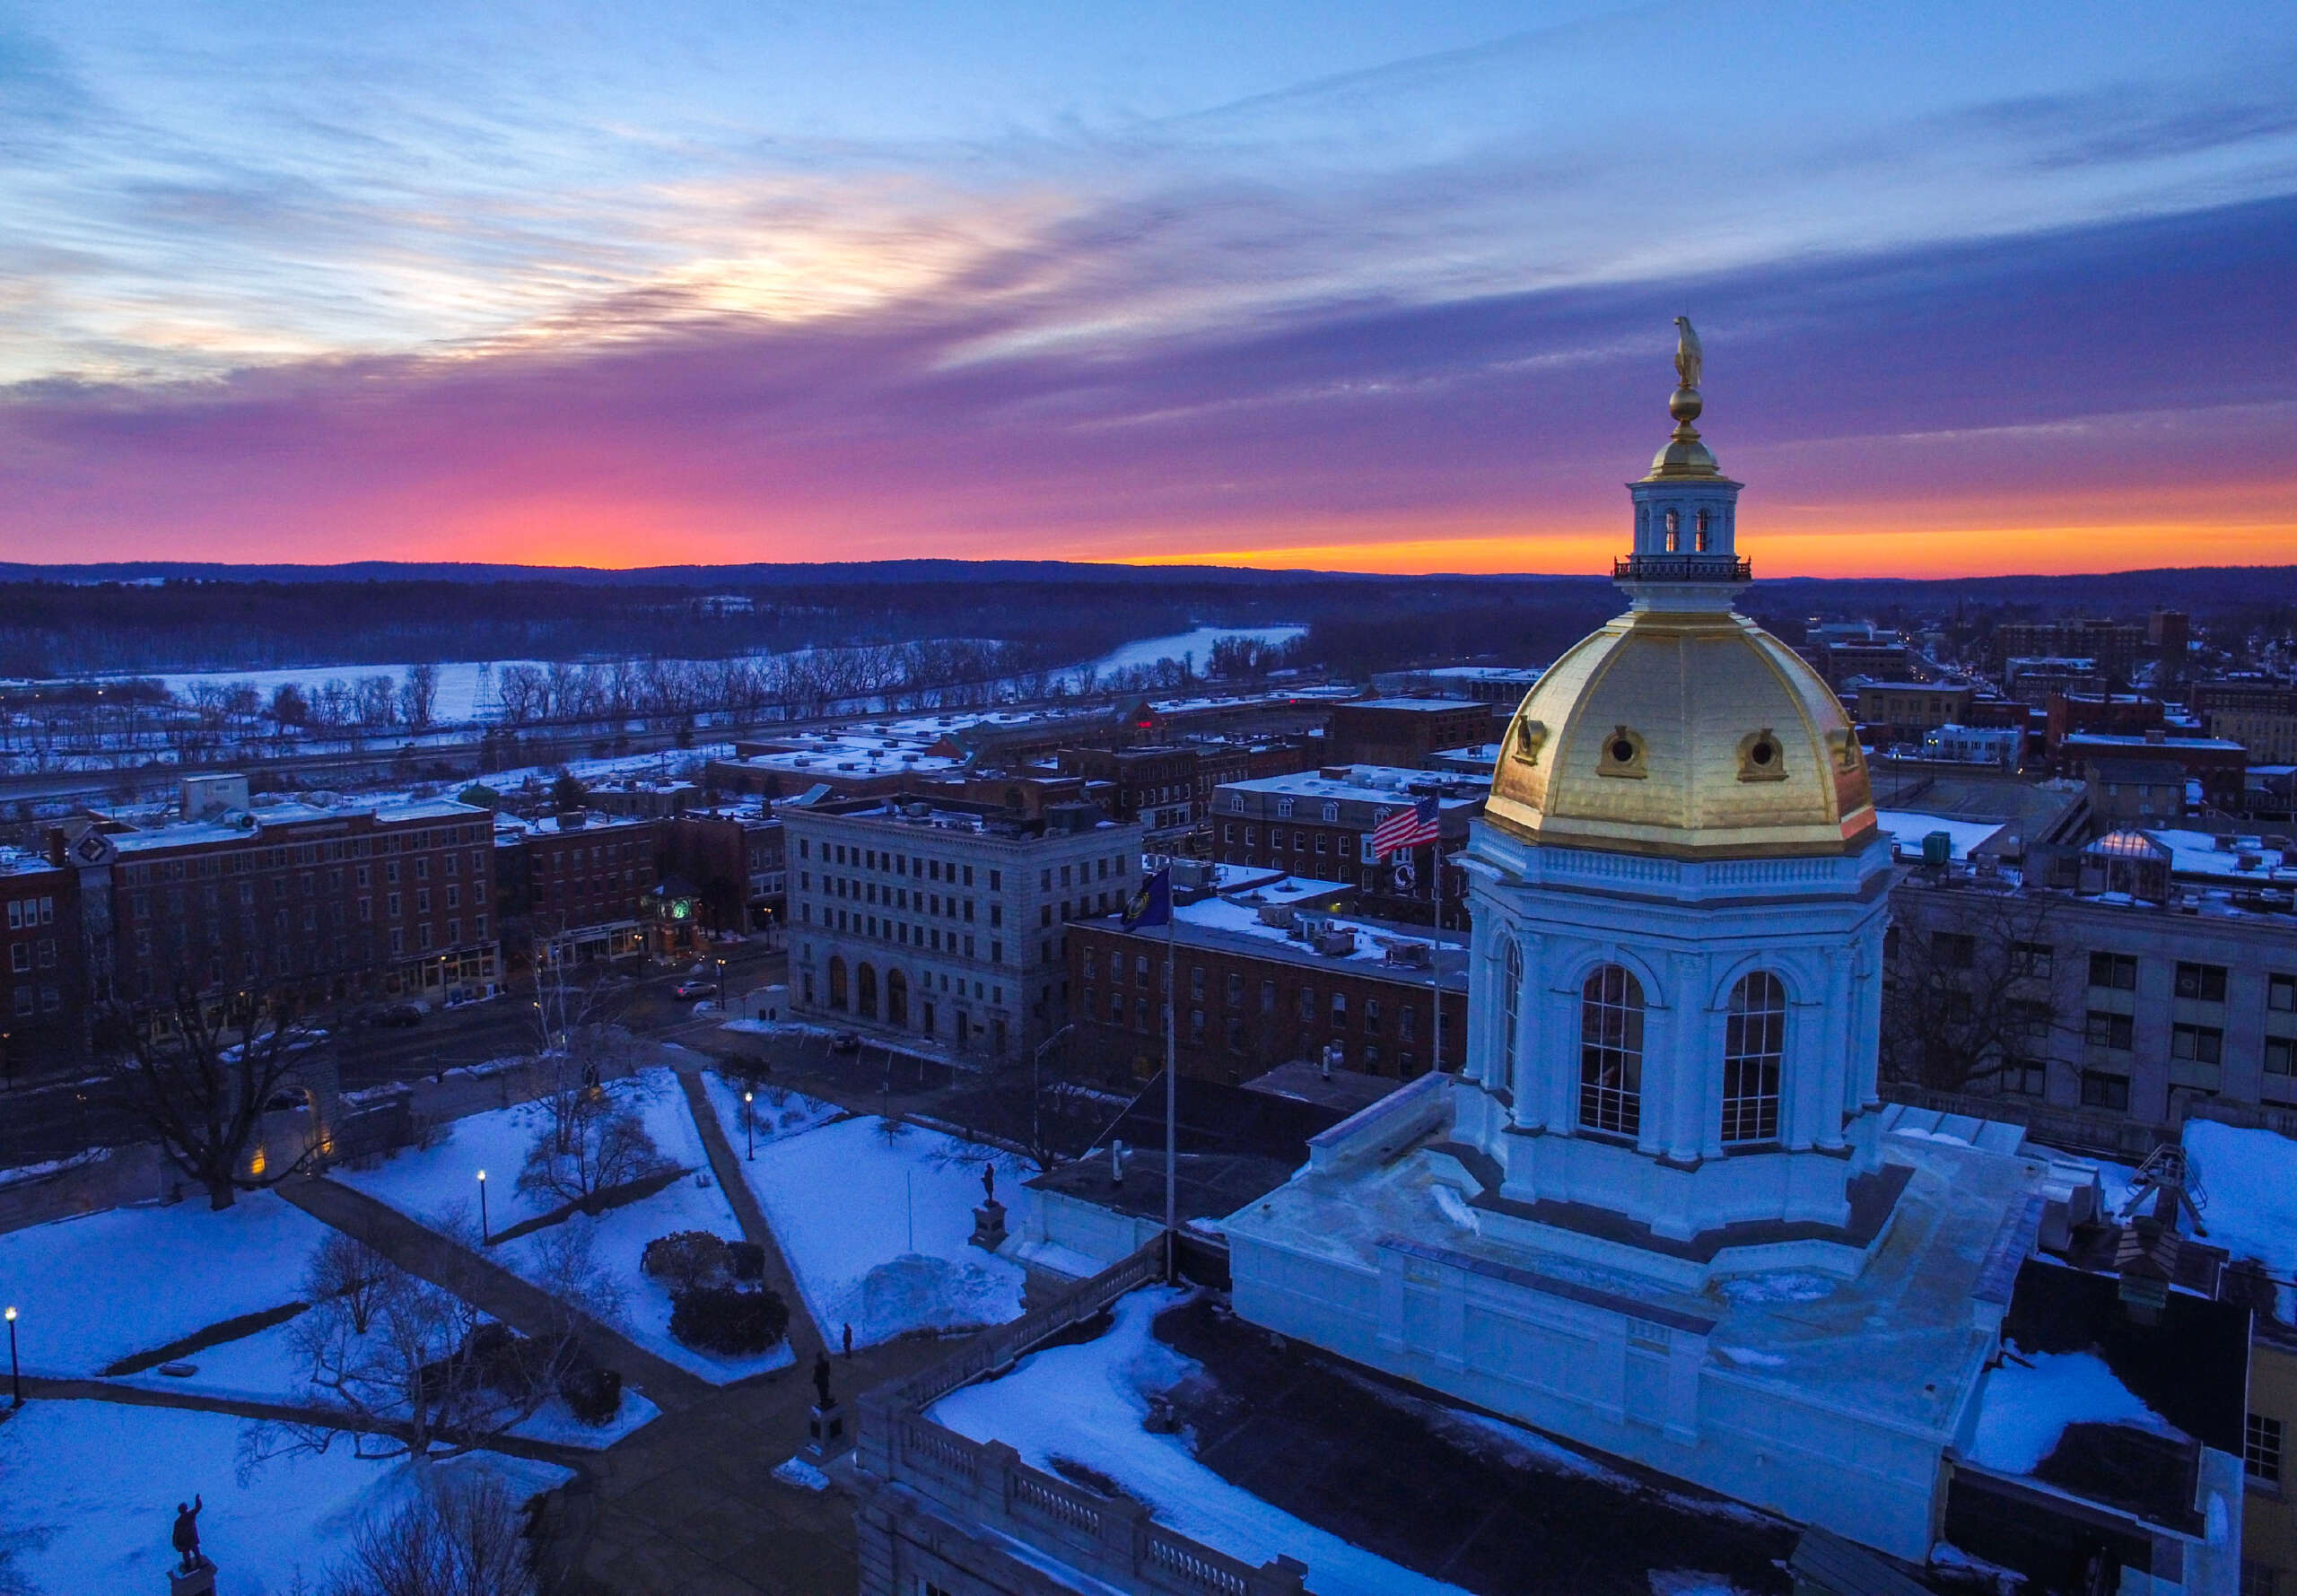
(439, 1186)
(1086, 1403)
(877, 1227)
(94, 1289)
(779, 1111)
(91, 1487)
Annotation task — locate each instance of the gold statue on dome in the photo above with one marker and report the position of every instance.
(1689, 359)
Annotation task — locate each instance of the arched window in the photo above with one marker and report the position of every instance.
(1753, 1041)
(896, 999)
(836, 982)
(1674, 531)
(1610, 1052)
(865, 991)
(1702, 531)
(1511, 965)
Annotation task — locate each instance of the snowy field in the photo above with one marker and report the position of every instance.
(876, 1226)
(88, 1492)
(100, 1288)
(1087, 1403)
(779, 1111)
(439, 1186)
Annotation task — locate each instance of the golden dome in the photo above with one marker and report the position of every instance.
(1693, 733)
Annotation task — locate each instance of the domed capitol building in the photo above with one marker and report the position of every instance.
(1658, 1213)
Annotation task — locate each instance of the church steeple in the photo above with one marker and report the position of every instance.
(1686, 511)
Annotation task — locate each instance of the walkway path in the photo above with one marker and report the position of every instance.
(806, 1336)
(143, 1396)
(443, 1261)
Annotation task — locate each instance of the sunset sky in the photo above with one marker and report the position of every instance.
(1984, 288)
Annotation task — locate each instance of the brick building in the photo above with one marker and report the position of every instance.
(2115, 645)
(575, 885)
(2221, 767)
(1901, 711)
(1318, 823)
(2113, 713)
(45, 963)
(1154, 783)
(1403, 731)
(1250, 995)
(735, 859)
(337, 905)
(2260, 716)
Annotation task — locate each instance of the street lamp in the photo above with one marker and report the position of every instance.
(15, 1373)
(1036, 1093)
(749, 1121)
(485, 1235)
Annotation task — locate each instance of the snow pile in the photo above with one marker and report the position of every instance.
(92, 1485)
(802, 1474)
(555, 1421)
(1786, 1286)
(2023, 1410)
(1086, 1403)
(2250, 1177)
(94, 1289)
(877, 1227)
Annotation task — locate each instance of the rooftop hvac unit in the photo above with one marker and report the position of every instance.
(1336, 941)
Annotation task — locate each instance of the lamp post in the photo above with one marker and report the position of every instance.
(15, 1373)
(1036, 1093)
(749, 1123)
(485, 1233)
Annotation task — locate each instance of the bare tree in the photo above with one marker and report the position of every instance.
(464, 1536)
(602, 1142)
(418, 694)
(1968, 993)
(346, 1271)
(199, 1071)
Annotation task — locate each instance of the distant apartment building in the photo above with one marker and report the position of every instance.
(1402, 731)
(1904, 711)
(2260, 716)
(575, 885)
(2118, 714)
(334, 904)
(2115, 645)
(2221, 767)
(1500, 686)
(947, 921)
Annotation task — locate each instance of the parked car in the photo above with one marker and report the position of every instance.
(688, 991)
(845, 1041)
(397, 1014)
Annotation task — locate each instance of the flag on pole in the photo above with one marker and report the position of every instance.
(1152, 906)
(1408, 828)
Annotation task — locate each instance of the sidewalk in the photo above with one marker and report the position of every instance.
(806, 1336)
(421, 1251)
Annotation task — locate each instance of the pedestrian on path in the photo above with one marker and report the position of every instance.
(849, 1341)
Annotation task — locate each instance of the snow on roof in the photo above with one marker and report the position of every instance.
(1373, 938)
(2197, 853)
(1370, 783)
(2250, 1180)
(1423, 706)
(1908, 827)
(2029, 1400)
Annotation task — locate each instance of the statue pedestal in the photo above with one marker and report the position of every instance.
(826, 1436)
(989, 1226)
(192, 1581)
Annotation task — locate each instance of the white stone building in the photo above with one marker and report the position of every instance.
(946, 921)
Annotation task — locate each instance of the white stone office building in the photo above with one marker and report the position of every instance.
(946, 921)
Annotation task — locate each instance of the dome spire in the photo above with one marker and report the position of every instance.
(1685, 455)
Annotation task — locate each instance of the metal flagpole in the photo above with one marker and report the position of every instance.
(1172, 1108)
(1436, 955)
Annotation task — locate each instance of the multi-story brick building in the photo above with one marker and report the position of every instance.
(1903, 711)
(947, 921)
(736, 860)
(2115, 645)
(2220, 766)
(1251, 993)
(337, 904)
(1403, 731)
(2260, 716)
(1154, 783)
(43, 965)
(574, 885)
(1319, 825)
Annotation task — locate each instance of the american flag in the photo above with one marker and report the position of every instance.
(1408, 828)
